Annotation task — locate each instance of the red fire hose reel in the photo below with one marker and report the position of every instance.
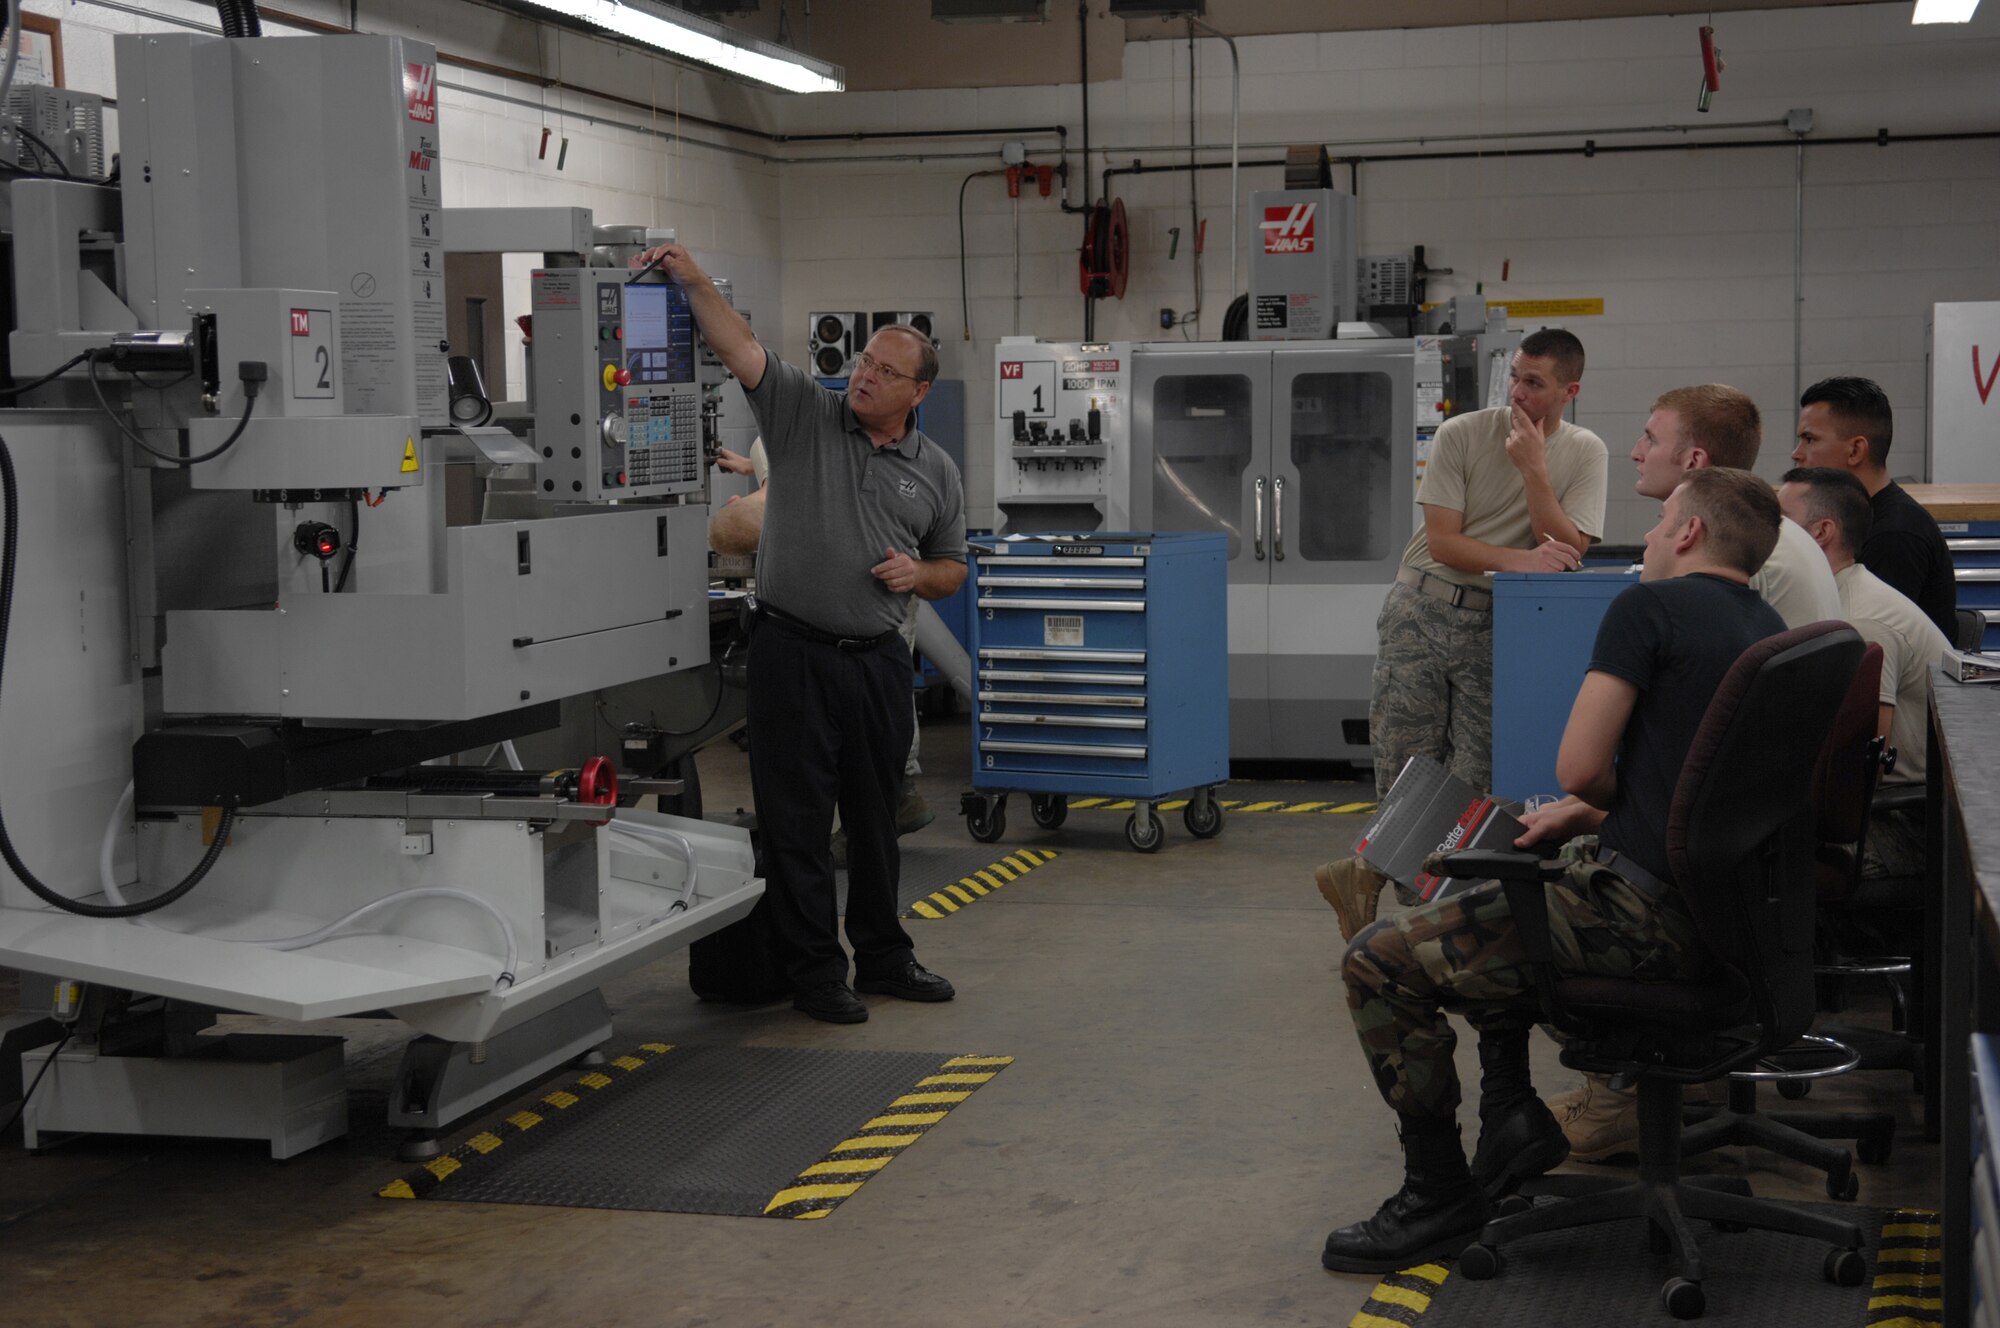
(1105, 262)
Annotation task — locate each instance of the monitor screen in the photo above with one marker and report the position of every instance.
(659, 334)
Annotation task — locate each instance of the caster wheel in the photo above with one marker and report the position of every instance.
(1146, 839)
(1844, 1267)
(1203, 817)
(1683, 1299)
(1513, 1204)
(1793, 1089)
(1480, 1262)
(1842, 1185)
(1050, 810)
(988, 824)
(1875, 1149)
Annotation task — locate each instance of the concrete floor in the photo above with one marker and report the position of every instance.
(1186, 1117)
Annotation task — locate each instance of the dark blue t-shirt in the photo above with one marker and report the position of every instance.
(1674, 640)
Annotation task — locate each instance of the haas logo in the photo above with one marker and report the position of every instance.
(420, 86)
(1289, 230)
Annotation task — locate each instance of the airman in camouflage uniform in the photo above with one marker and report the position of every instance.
(1464, 955)
(1429, 649)
(1512, 488)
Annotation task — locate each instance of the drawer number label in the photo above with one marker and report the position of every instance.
(1062, 629)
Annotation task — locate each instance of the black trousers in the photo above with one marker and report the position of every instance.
(829, 726)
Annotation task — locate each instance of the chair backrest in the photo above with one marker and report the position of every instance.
(1740, 834)
(1849, 762)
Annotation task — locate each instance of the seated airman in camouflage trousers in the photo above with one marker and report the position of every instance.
(1664, 647)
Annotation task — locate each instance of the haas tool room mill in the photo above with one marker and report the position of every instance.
(235, 661)
(1019, 663)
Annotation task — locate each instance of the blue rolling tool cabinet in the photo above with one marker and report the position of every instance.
(1100, 665)
(1975, 560)
(1544, 624)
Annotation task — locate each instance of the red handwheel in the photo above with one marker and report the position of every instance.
(597, 785)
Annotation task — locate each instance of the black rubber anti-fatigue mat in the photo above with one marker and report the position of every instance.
(938, 880)
(741, 1131)
(1605, 1275)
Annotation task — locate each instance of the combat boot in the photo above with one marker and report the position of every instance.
(1437, 1213)
(1519, 1138)
(1602, 1123)
(1353, 888)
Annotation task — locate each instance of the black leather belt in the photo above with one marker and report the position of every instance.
(853, 645)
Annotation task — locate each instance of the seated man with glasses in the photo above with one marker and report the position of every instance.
(864, 512)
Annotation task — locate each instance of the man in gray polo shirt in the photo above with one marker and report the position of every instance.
(866, 511)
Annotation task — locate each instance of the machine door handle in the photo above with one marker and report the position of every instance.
(1278, 519)
(1258, 525)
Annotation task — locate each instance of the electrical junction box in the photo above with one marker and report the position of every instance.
(1302, 264)
(617, 387)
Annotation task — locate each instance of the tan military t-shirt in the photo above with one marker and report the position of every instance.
(1469, 472)
(1911, 647)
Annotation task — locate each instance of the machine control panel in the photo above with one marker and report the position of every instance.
(617, 396)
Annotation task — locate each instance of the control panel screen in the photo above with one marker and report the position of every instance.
(659, 334)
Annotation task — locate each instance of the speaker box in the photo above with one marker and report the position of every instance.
(833, 340)
(923, 322)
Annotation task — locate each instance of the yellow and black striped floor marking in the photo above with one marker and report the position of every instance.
(1400, 1299)
(827, 1183)
(1909, 1281)
(1228, 804)
(981, 883)
(551, 1106)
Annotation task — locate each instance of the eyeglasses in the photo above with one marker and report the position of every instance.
(866, 361)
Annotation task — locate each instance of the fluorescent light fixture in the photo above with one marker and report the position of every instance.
(686, 37)
(1944, 11)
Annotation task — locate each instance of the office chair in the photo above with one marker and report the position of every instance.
(1740, 838)
(1844, 779)
(1971, 633)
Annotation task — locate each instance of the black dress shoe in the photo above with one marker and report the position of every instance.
(831, 1002)
(911, 981)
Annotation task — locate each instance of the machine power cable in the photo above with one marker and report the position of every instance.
(10, 509)
(21, 1107)
(250, 386)
(48, 377)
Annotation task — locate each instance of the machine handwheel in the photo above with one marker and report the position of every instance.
(1683, 1299)
(1480, 1263)
(1844, 1267)
(1145, 835)
(1050, 810)
(988, 821)
(1203, 815)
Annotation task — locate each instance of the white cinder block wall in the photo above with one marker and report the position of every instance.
(1691, 250)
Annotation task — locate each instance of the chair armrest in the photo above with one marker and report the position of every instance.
(1898, 798)
(1524, 878)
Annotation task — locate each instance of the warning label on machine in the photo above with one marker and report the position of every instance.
(1271, 312)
